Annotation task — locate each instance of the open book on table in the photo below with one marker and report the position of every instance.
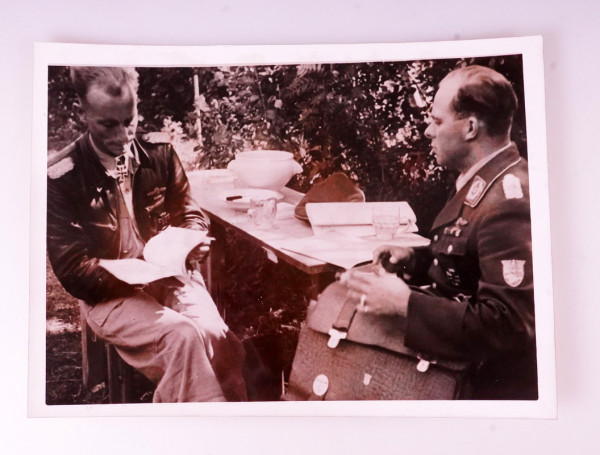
(355, 218)
(164, 256)
(344, 234)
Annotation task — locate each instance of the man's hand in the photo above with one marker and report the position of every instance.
(393, 258)
(196, 257)
(384, 293)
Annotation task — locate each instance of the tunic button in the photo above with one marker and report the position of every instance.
(450, 248)
(125, 251)
(435, 238)
(433, 285)
(435, 262)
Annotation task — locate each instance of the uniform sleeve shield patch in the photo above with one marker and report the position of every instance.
(513, 271)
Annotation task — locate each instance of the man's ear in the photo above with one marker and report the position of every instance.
(79, 112)
(472, 127)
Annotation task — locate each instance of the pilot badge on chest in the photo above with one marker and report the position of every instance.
(162, 221)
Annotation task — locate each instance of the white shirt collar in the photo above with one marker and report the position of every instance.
(464, 177)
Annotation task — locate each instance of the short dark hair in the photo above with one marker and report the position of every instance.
(487, 95)
(110, 78)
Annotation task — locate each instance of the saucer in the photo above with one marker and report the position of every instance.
(243, 196)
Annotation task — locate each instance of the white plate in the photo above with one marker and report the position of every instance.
(243, 203)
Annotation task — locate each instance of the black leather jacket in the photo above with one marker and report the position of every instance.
(82, 223)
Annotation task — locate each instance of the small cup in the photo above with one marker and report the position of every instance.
(262, 212)
(386, 221)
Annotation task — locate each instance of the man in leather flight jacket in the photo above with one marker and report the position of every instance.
(83, 209)
(479, 305)
(109, 192)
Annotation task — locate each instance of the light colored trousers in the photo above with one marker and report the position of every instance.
(181, 344)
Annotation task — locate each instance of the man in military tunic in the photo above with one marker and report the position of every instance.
(109, 192)
(479, 304)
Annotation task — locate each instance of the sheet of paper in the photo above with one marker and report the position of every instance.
(135, 271)
(164, 256)
(338, 250)
(170, 247)
(346, 251)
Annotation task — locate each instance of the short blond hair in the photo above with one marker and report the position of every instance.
(110, 78)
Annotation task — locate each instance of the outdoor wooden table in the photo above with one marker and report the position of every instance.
(223, 216)
(208, 188)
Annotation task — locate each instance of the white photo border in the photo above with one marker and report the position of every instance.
(47, 54)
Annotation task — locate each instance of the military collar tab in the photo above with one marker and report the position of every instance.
(489, 173)
(474, 191)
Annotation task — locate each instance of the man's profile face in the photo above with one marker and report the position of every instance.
(446, 130)
(111, 120)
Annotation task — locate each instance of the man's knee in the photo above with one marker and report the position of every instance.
(180, 332)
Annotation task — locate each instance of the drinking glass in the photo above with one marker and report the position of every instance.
(262, 212)
(386, 221)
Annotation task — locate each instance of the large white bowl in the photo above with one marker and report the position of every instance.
(268, 169)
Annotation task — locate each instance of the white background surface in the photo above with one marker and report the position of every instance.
(571, 45)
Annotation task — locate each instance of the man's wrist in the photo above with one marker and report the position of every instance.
(402, 302)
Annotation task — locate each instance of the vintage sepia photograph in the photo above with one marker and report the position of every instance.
(314, 230)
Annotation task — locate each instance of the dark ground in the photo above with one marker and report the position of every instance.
(64, 384)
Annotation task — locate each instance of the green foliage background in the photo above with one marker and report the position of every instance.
(364, 119)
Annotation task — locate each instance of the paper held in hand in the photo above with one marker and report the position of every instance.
(164, 256)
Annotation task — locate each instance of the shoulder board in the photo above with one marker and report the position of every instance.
(59, 163)
(511, 185)
(55, 157)
(158, 137)
(60, 168)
